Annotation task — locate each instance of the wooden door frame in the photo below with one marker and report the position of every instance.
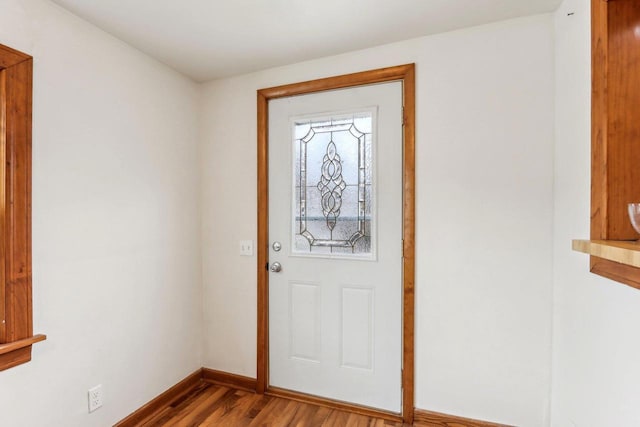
(405, 74)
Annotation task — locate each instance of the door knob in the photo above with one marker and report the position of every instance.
(276, 267)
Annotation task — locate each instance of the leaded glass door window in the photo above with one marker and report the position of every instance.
(334, 199)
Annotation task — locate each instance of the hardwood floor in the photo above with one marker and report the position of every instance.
(215, 405)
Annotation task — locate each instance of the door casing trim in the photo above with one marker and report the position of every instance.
(405, 74)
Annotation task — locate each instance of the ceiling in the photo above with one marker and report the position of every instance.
(209, 39)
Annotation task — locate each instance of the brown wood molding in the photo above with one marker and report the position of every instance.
(17, 352)
(599, 123)
(16, 345)
(137, 417)
(406, 74)
(615, 271)
(333, 404)
(227, 379)
(14, 358)
(3, 198)
(424, 418)
(10, 57)
(338, 82)
(615, 125)
(16, 87)
(263, 246)
(408, 235)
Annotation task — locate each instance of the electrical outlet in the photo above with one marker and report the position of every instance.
(246, 247)
(95, 397)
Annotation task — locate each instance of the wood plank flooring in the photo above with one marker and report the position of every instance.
(217, 405)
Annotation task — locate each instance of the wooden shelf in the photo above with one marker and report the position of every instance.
(625, 252)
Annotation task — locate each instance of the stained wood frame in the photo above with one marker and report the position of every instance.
(405, 74)
(16, 328)
(615, 124)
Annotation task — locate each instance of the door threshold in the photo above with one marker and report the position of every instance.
(333, 404)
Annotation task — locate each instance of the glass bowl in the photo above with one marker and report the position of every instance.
(634, 215)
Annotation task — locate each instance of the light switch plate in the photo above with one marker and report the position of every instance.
(246, 247)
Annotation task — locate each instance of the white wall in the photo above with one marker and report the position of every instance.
(485, 117)
(596, 374)
(116, 252)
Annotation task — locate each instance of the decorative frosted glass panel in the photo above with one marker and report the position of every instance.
(333, 194)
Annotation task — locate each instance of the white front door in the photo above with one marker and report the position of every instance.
(335, 230)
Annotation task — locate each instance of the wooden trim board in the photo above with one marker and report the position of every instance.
(424, 418)
(406, 74)
(227, 379)
(622, 273)
(16, 345)
(156, 404)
